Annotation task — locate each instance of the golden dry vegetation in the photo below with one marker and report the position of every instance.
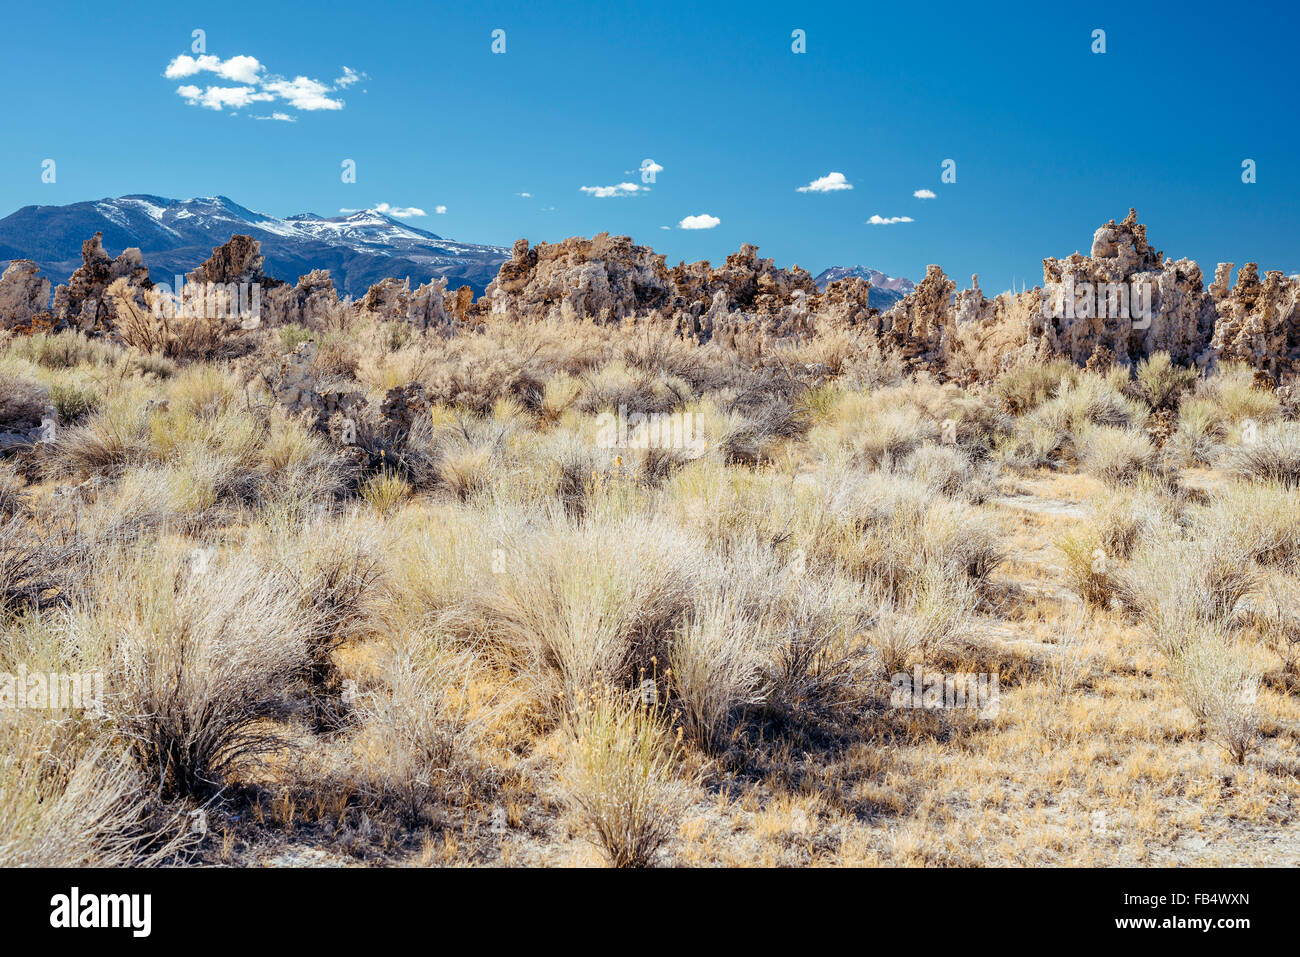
(504, 639)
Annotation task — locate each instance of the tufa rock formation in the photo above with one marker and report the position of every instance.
(82, 303)
(24, 294)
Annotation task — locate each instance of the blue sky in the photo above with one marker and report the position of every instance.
(1050, 140)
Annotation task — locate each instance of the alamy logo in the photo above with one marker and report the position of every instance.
(52, 691)
(935, 690)
(641, 430)
(210, 300)
(1100, 300)
(102, 910)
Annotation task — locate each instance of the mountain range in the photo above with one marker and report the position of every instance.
(885, 290)
(358, 249)
(175, 236)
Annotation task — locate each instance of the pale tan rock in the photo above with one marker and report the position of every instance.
(24, 294)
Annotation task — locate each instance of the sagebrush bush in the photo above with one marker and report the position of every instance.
(1162, 383)
(202, 669)
(620, 776)
(717, 659)
(1271, 454)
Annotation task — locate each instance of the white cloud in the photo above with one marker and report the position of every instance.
(882, 221)
(604, 192)
(220, 97)
(282, 117)
(525, 195)
(256, 85)
(304, 93)
(440, 209)
(651, 167)
(241, 69)
(665, 227)
(702, 221)
(401, 212)
(829, 183)
(923, 194)
(349, 77)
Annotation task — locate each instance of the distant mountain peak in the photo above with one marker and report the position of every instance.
(885, 290)
(358, 248)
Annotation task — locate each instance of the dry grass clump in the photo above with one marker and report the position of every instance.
(620, 777)
(1117, 456)
(590, 601)
(70, 798)
(1201, 429)
(1271, 454)
(1233, 390)
(950, 471)
(423, 731)
(717, 660)
(1161, 383)
(934, 613)
(204, 661)
(1124, 518)
(1090, 570)
(22, 403)
(1025, 387)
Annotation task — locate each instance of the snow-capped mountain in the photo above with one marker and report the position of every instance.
(175, 236)
(885, 290)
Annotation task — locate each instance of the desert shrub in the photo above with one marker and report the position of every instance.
(817, 663)
(885, 529)
(1262, 519)
(1218, 686)
(461, 457)
(473, 372)
(1233, 390)
(205, 665)
(423, 732)
(717, 659)
(892, 434)
(292, 335)
(12, 488)
(1272, 455)
(70, 798)
(1276, 617)
(934, 612)
(1033, 443)
(1175, 579)
(1090, 571)
(1201, 428)
(619, 778)
(22, 403)
(337, 575)
(1025, 387)
(1075, 655)
(1097, 401)
(1161, 383)
(1116, 456)
(948, 470)
(33, 564)
(617, 388)
(1124, 518)
(588, 601)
